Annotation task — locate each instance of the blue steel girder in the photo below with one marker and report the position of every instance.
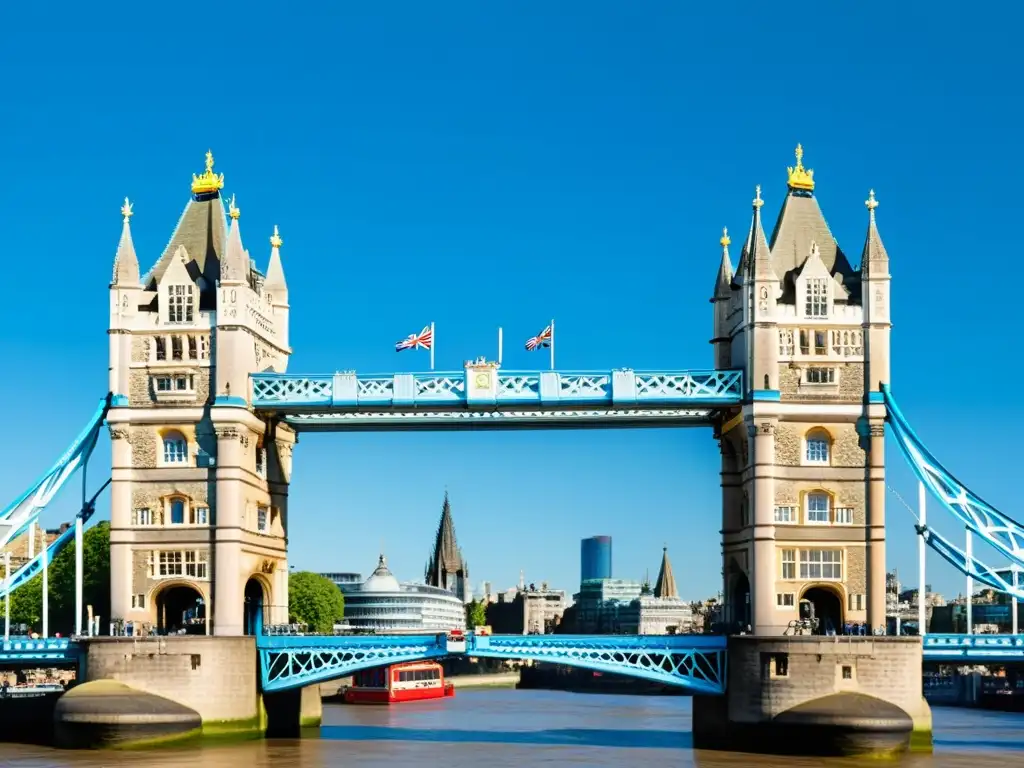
(970, 566)
(978, 649)
(496, 399)
(294, 661)
(24, 650)
(998, 529)
(696, 662)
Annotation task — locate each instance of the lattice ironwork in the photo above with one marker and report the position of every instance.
(444, 387)
(375, 389)
(293, 661)
(991, 648)
(521, 419)
(519, 386)
(696, 662)
(1001, 531)
(712, 385)
(50, 649)
(585, 386)
(271, 389)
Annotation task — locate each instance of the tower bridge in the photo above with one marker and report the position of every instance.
(204, 415)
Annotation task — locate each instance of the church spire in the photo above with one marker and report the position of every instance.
(446, 568)
(126, 263)
(666, 584)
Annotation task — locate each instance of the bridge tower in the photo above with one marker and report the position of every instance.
(200, 483)
(803, 460)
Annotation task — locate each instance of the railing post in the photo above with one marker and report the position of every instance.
(624, 387)
(550, 389)
(344, 390)
(922, 514)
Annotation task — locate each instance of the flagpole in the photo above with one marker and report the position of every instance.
(499, 346)
(433, 343)
(552, 345)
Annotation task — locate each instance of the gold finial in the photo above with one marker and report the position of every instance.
(725, 241)
(126, 210)
(871, 203)
(275, 239)
(758, 202)
(800, 177)
(209, 181)
(233, 211)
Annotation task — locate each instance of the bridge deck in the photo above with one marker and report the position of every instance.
(494, 399)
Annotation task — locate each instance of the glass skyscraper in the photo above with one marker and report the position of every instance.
(596, 558)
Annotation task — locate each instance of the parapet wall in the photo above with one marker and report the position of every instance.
(215, 676)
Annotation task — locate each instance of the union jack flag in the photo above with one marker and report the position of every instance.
(541, 340)
(422, 340)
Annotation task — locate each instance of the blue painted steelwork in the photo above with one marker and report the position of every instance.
(23, 511)
(282, 392)
(696, 662)
(58, 650)
(1001, 531)
(969, 566)
(974, 648)
(293, 661)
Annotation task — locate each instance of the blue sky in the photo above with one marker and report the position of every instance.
(479, 165)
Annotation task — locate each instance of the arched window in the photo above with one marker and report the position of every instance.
(175, 448)
(176, 511)
(817, 447)
(819, 508)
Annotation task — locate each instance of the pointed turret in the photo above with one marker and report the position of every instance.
(760, 257)
(874, 260)
(722, 298)
(446, 568)
(666, 584)
(275, 272)
(234, 267)
(126, 263)
(723, 281)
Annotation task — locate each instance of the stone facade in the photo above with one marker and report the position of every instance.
(200, 483)
(803, 483)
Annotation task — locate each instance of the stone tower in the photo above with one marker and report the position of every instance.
(803, 461)
(200, 483)
(447, 568)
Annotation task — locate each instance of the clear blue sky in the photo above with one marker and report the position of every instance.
(486, 164)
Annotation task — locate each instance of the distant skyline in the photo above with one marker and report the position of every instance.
(486, 165)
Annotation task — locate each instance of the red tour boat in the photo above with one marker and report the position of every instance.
(414, 681)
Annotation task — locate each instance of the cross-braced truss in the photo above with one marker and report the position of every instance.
(1001, 531)
(977, 648)
(23, 650)
(290, 661)
(696, 662)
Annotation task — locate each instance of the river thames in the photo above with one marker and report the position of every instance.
(504, 727)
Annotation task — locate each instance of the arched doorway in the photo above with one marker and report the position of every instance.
(828, 609)
(254, 601)
(739, 601)
(180, 609)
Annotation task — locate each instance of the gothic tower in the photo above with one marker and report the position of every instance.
(803, 462)
(447, 568)
(200, 483)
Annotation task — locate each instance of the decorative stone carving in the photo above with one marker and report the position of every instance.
(284, 450)
(877, 430)
(268, 566)
(763, 428)
(119, 433)
(243, 438)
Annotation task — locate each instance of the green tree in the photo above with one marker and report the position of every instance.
(315, 601)
(476, 614)
(27, 601)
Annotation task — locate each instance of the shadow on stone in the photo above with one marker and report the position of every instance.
(845, 724)
(109, 714)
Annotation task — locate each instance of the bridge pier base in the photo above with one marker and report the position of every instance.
(818, 696)
(288, 712)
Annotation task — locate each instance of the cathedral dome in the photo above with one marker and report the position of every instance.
(381, 580)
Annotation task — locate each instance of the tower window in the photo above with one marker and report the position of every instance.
(161, 348)
(192, 352)
(175, 448)
(263, 519)
(177, 510)
(816, 303)
(819, 507)
(820, 376)
(179, 304)
(789, 564)
(821, 564)
(816, 449)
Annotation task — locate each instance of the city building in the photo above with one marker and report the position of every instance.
(529, 611)
(344, 578)
(382, 604)
(660, 613)
(447, 569)
(596, 558)
(30, 543)
(599, 602)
